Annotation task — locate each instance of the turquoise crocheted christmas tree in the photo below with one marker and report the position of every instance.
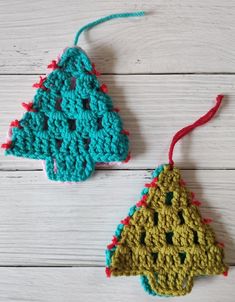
(71, 124)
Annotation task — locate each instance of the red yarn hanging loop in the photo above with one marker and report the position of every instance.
(201, 121)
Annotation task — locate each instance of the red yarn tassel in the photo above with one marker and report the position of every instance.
(40, 83)
(104, 88)
(201, 121)
(94, 71)
(126, 220)
(152, 184)
(108, 272)
(28, 107)
(182, 183)
(125, 132)
(53, 65)
(225, 274)
(15, 124)
(7, 145)
(144, 197)
(141, 203)
(196, 203)
(113, 243)
(220, 244)
(127, 159)
(207, 220)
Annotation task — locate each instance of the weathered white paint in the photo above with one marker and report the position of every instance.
(176, 36)
(91, 284)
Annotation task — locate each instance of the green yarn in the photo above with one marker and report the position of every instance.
(166, 244)
(146, 286)
(73, 125)
(107, 18)
(120, 227)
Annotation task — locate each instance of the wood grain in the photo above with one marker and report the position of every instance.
(175, 36)
(91, 284)
(163, 71)
(48, 223)
(153, 108)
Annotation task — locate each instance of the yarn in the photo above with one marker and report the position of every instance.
(201, 121)
(107, 18)
(71, 123)
(164, 239)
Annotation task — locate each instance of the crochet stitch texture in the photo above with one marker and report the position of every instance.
(71, 124)
(164, 239)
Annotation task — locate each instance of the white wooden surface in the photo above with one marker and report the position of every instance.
(85, 284)
(163, 71)
(177, 36)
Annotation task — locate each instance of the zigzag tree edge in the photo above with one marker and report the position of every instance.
(117, 235)
(202, 242)
(70, 98)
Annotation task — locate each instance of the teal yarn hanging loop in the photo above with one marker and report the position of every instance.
(104, 19)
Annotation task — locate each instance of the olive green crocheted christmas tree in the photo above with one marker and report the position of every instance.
(164, 239)
(71, 123)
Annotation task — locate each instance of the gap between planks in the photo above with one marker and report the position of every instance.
(134, 74)
(70, 266)
(147, 169)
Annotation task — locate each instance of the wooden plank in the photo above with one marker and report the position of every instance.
(48, 223)
(175, 37)
(153, 109)
(90, 284)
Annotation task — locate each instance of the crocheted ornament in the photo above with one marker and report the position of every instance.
(164, 238)
(71, 123)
